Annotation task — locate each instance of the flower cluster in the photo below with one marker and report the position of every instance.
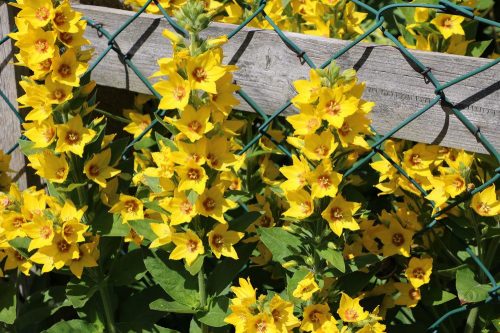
(190, 175)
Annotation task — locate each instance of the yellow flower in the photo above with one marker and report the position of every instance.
(192, 177)
(419, 159)
(16, 260)
(306, 287)
(204, 70)
(324, 181)
(87, 258)
(39, 44)
(221, 241)
(50, 166)
(339, 215)
(41, 133)
(72, 136)
(350, 311)
(454, 184)
(75, 39)
(396, 239)
(245, 293)
(37, 12)
(318, 319)
(419, 271)
(306, 122)
(193, 124)
(65, 18)
(308, 90)
(58, 254)
(129, 207)
(353, 18)
(421, 15)
(262, 322)
(98, 169)
(12, 224)
(224, 100)
(180, 208)
(448, 25)
(211, 203)
(67, 69)
(301, 204)
(485, 203)
(36, 97)
(408, 295)
(282, 312)
(72, 231)
(164, 233)
(318, 147)
(187, 246)
(175, 92)
(296, 174)
(335, 105)
(40, 231)
(138, 124)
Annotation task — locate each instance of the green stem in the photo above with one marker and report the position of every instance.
(203, 295)
(108, 313)
(113, 116)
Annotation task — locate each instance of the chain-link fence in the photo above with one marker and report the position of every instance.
(444, 6)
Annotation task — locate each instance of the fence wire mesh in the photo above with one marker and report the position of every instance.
(444, 6)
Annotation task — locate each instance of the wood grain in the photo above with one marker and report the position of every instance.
(267, 69)
(10, 129)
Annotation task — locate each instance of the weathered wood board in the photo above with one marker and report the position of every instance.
(10, 129)
(268, 68)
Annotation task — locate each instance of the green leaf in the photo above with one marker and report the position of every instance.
(195, 266)
(7, 302)
(223, 274)
(144, 143)
(70, 187)
(128, 268)
(333, 257)
(107, 224)
(80, 291)
(21, 244)
(242, 222)
(353, 283)
(27, 147)
(280, 242)
(476, 49)
(444, 297)
(143, 228)
(166, 306)
(167, 142)
(117, 148)
(168, 126)
(173, 278)
(469, 290)
(71, 326)
(214, 317)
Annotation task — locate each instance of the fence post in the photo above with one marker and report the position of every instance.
(10, 129)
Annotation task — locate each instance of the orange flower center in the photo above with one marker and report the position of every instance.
(66, 37)
(321, 150)
(94, 170)
(72, 137)
(312, 123)
(192, 245)
(351, 314)
(336, 214)
(59, 19)
(345, 129)
(131, 206)
(209, 204)
(483, 207)
(45, 65)
(195, 126)
(265, 221)
(199, 74)
(41, 45)
(17, 222)
(49, 133)
(332, 108)
(217, 241)
(59, 94)
(63, 246)
(179, 93)
(186, 207)
(458, 183)
(64, 70)
(277, 316)
(415, 159)
(45, 232)
(418, 273)
(315, 316)
(68, 230)
(448, 23)
(42, 13)
(398, 239)
(414, 294)
(213, 160)
(60, 173)
(261, 326)
(19, 257)
(324, 181)
(194, 174)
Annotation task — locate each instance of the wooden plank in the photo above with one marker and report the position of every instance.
(268, 68)
(10, 129)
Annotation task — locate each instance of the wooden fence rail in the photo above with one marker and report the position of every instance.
(267, 69)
